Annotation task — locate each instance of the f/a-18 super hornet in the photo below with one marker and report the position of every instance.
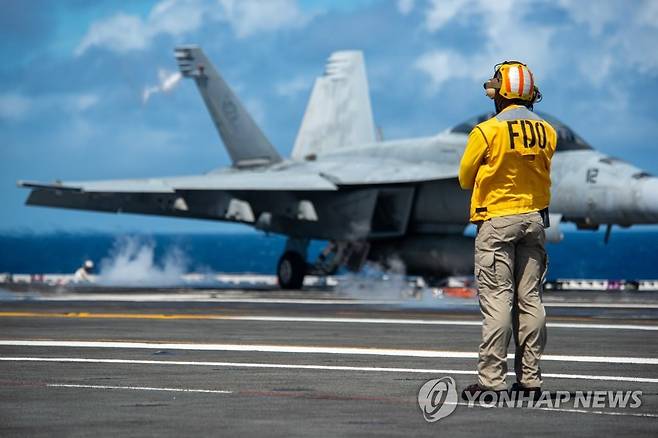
(370, 199)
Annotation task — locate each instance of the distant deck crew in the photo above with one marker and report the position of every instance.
(83, 274)
(507, 163)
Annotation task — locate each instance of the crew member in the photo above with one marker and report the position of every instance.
(83, 274)
(507, 164)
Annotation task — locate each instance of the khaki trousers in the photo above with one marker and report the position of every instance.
(510, 268)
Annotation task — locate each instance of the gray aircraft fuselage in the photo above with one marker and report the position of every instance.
(588, 187)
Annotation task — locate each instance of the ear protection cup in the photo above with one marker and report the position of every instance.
(491, 87)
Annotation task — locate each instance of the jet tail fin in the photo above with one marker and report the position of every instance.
(244, 141)
(339, 112)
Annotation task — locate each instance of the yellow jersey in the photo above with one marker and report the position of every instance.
(507, 164)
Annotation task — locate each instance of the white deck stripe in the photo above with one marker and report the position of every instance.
(211, 297)
(603, 326)
(409, 321)
(303, 349)
(313, 367)
(603, 305)
(138, 388)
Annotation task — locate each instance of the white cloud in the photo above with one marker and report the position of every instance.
(441, 12)
(14, 106)
(405, 6)
(83, 102)
(648, 14)
(589, 54)
(119, 33)
(72, 103)
(595, 18)
(248, 17)
(635, 42)
(17, 107)
(444, 65)
(595, 67)
(507, 35)
(619, 36)
(294, 86)
(122, 33)
(627, 29)
(178, 17)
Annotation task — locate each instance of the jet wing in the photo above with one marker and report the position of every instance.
(122, 186)
(217, 196)
(389, 171)
(333, 199)
(229, 180)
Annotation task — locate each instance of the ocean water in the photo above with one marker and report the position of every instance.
(628, 255)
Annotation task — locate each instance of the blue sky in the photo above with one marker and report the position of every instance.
(74, 75)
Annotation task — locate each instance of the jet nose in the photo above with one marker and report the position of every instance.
(647, 199)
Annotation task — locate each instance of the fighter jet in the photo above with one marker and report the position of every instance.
(372, 200)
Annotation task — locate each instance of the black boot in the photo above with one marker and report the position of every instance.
(474, 393)
(526, 391)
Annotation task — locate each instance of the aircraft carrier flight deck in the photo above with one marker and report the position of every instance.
(317, 362)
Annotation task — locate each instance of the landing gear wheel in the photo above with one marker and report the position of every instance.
(291, 270)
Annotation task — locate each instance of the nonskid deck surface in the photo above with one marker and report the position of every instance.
(314, 362)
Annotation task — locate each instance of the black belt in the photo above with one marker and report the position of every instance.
(545, 217)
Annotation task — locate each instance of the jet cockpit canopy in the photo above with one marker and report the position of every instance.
(567, 139)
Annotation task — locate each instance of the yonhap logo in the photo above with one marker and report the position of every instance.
(437, 398)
